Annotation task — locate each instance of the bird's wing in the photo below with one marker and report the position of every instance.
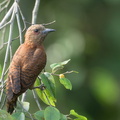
(13, 83)
(14, 78)
(14, 72)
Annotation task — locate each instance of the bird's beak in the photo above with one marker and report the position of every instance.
(47, 30)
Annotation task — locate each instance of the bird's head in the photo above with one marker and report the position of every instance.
(36, 33)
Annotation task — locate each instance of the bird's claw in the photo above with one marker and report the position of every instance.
(42, 87)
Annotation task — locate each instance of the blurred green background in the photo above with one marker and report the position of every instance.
(88, 33)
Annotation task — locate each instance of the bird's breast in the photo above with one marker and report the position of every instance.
(32, 63)
(34, 59)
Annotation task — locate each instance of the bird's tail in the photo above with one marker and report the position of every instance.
(11, 104)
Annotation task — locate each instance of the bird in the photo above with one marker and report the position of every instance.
(27, 63)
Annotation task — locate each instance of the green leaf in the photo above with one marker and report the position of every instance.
(51, 113)
(18, 116)
(65, 62)
(57, 66)
(5, 115)
(63, 117)
(45, 95)
(49, 82)
(26, 105)
(39, 115)
(67, 84)
(49, 99)
(79, 117)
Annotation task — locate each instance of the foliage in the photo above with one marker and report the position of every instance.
(46, 92)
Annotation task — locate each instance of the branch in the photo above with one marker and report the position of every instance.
(6, 5)
(35, 11)
(7, 53)
(2, 3)
(8, 46)
(19, 25)
(35, 97)
(44, 24)
(7, 16)
(3, 103)
(2, 38)
(23, 18)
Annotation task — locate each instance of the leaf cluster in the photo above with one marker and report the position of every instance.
(45, 88)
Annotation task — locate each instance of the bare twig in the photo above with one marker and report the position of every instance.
(6, 16)
(7, 53)
(19, 26)
(2, 38)
(3, 102)
(35, 97)
(11, 53)
(2, 3)
(23, 18)
(35, 11)
(44, 24)
(8, 46)
(6, 2)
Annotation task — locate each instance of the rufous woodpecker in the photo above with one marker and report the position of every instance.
(27, 63)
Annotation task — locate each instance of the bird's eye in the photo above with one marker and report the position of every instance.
(36, 30)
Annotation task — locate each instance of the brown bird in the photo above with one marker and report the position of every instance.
(27, 63)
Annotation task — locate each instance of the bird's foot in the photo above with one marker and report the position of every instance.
(42, 87)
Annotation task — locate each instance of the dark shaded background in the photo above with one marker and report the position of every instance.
(88, 33)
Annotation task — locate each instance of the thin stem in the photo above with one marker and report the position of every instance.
(23, 18)
(5, 6)
(35, 11)
(23, 97)
(2, 38)
(7, 53)
(7, 16)
(6, 71)
(5, 24)
(2, 3)
(3, 103)
(8, 46)
(44, 24)
(19, 25)
(10, 52)
(35, 97)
